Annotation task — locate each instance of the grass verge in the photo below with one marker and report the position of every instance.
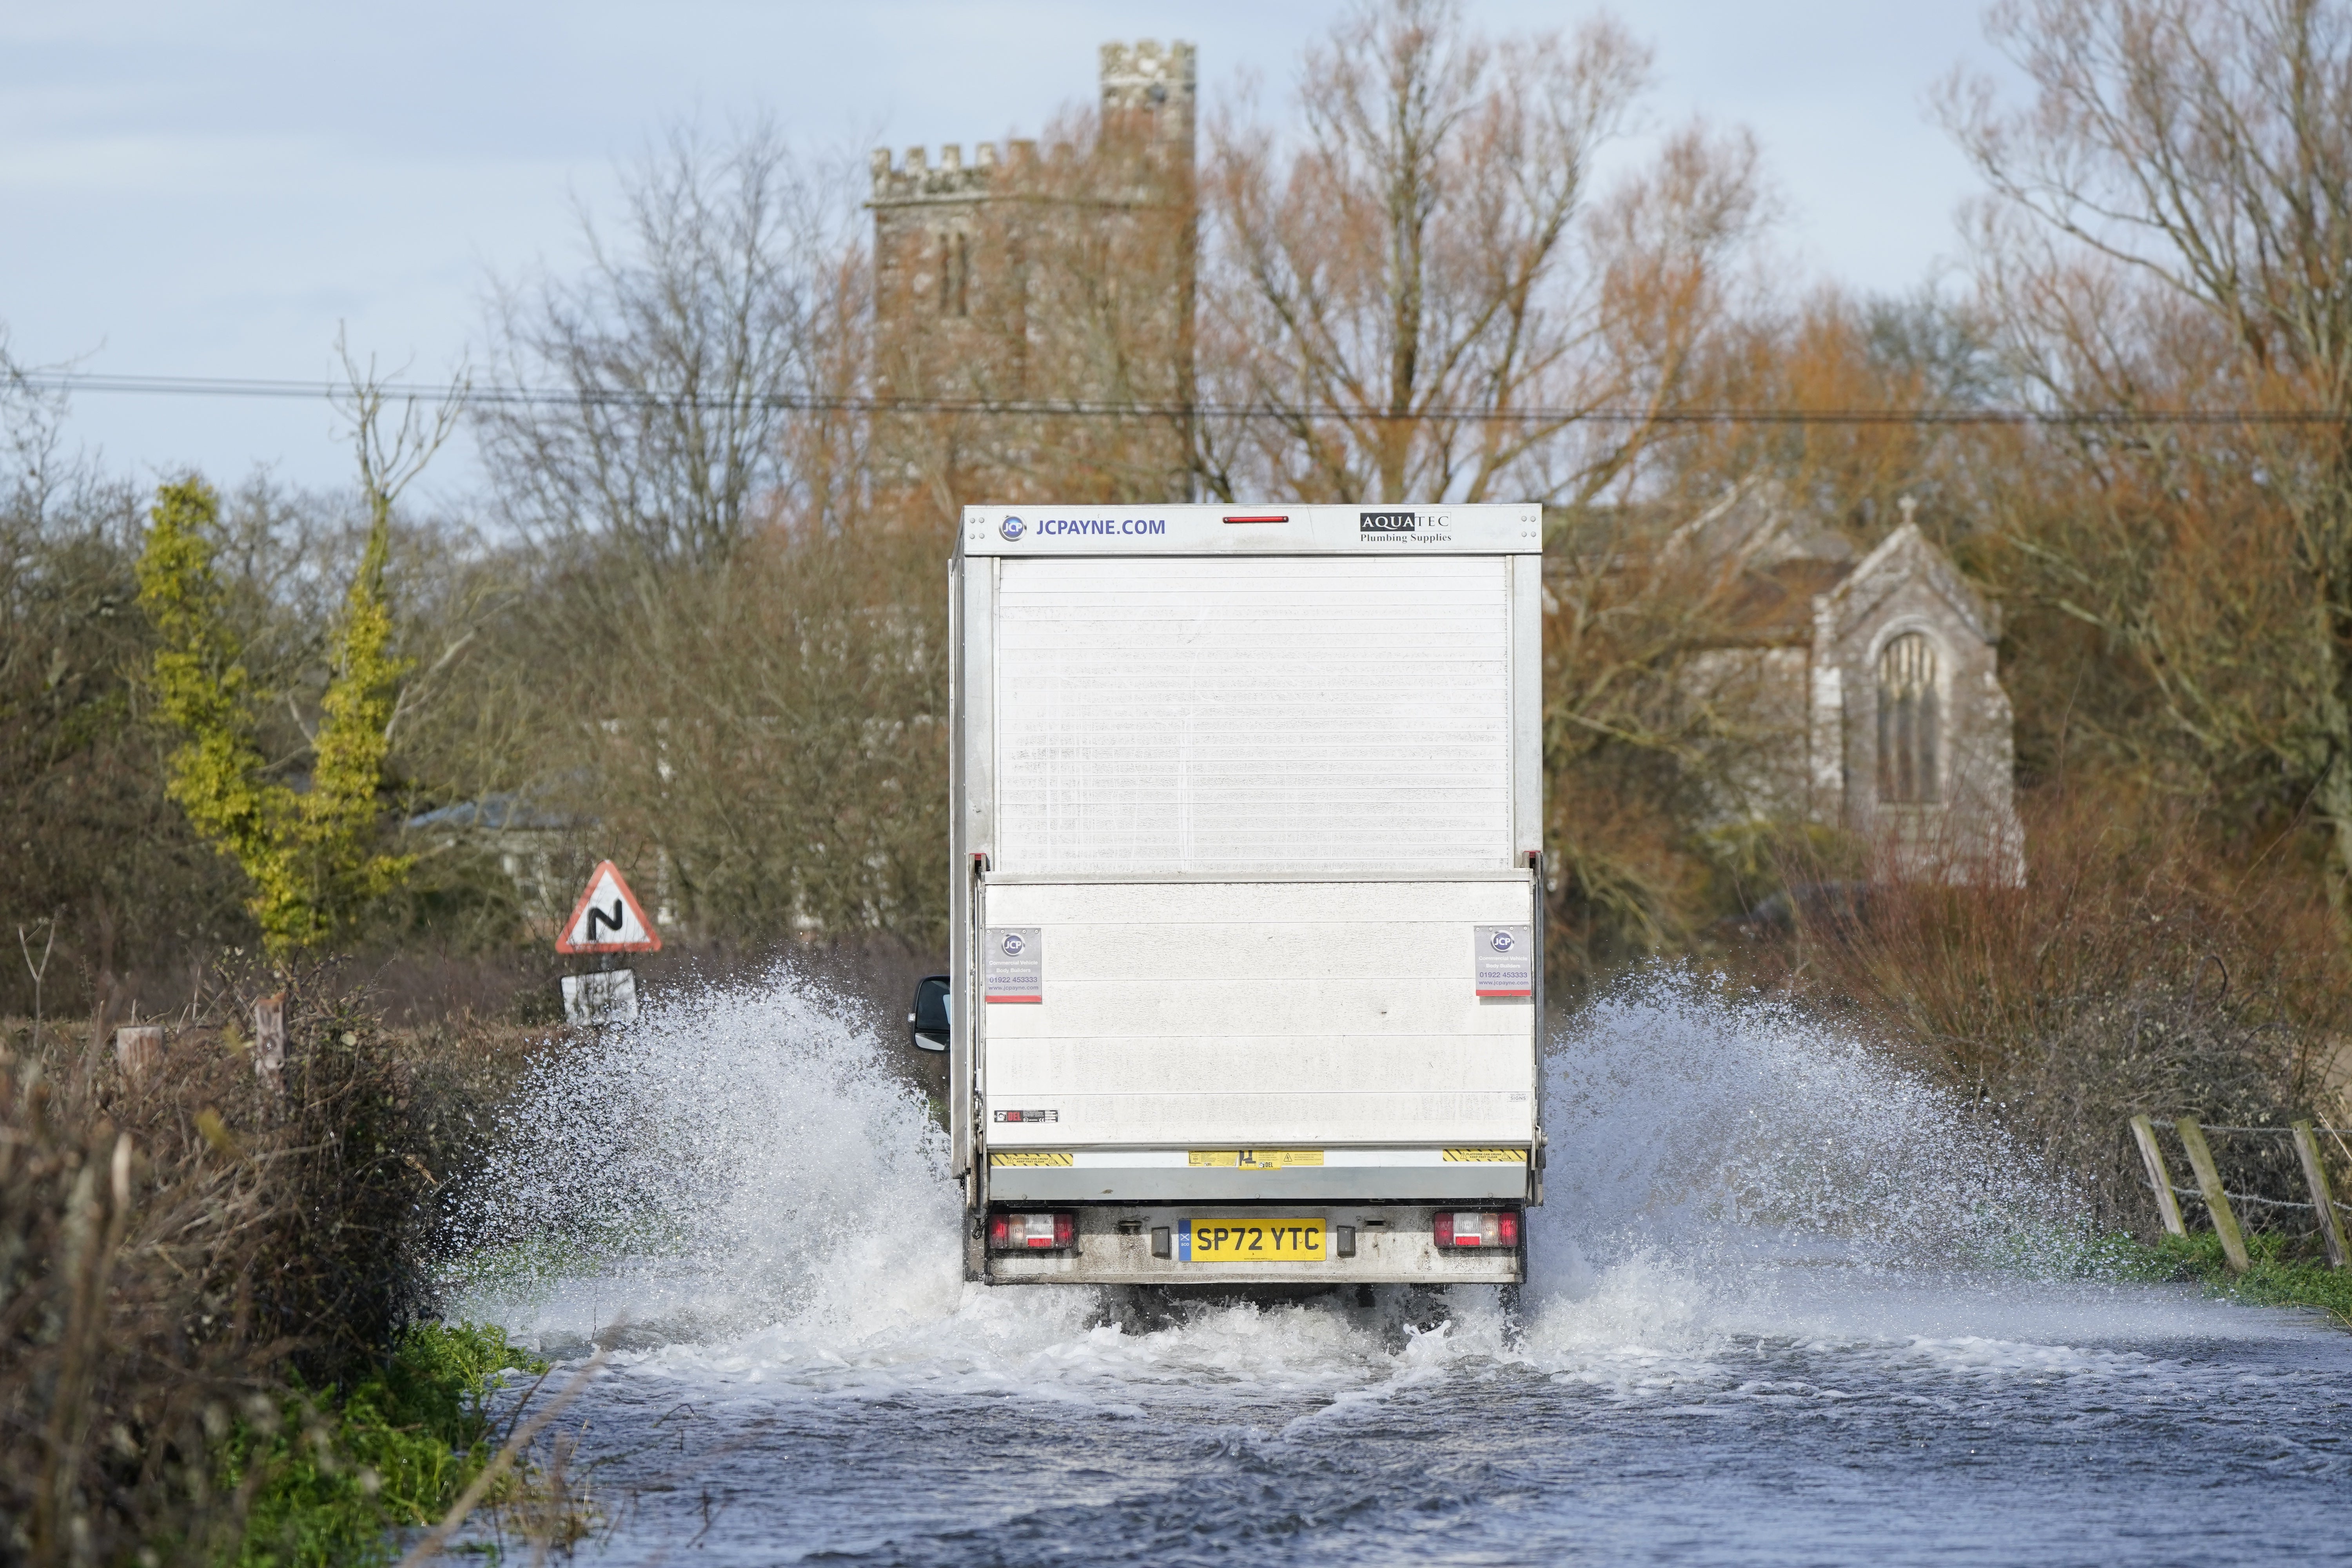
(2276, 1278)
(336, 1473)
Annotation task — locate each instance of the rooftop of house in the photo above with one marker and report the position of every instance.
(492, 813)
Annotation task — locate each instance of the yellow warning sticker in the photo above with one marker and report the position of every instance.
(1486, 1156)
(1255, 1159)
(1026, 1159)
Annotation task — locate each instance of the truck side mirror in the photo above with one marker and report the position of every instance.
(927, 1025)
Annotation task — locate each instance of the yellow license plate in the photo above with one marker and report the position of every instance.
(1250, 1240)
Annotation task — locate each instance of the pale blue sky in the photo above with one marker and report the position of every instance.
(192, 189)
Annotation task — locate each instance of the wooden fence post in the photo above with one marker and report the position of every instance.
(2144, 1133)
(2217, 1202)
(269, 1039)
(138, 1048)
(2315, 1176)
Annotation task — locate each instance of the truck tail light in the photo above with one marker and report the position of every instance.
(1032, 1232)
(1461, 1230)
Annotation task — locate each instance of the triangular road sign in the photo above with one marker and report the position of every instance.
(607, 919)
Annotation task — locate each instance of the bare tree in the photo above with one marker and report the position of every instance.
(35, 469)
(676, 359)
(749, 727)
(1420, 300)
(2173, 227)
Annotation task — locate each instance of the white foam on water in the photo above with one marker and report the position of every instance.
(741, 1182)
(739, 1157)
(1733, 1131)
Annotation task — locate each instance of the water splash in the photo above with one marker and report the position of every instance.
(1725, 1131)
(741, 1181)
(739, 1157)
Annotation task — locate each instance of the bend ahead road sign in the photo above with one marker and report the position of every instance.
(608, 919)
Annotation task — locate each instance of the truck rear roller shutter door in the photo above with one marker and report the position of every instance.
(1224, 716)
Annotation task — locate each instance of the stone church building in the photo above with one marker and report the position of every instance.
(1867, 687)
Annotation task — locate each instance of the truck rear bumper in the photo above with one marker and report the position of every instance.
(1391, 1244)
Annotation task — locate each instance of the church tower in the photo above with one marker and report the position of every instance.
(1034, 314)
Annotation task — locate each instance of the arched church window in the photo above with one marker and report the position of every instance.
(1910, 727)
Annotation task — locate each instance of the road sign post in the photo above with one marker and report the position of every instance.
(608, 920)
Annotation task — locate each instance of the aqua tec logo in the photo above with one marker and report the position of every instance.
(1376, 522)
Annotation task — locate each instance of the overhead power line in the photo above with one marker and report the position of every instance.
(618, 398)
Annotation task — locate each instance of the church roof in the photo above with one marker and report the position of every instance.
(1773, 560)
(1772, 606)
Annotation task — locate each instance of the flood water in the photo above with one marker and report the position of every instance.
(1788, 1306)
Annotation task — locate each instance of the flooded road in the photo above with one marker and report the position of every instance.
(2134, 1427)
(1785, 1309)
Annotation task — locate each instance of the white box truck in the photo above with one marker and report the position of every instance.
(1247, 928)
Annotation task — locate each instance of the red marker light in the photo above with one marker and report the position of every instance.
(1257, 517)
(1482, 1230)
(1032, 1232)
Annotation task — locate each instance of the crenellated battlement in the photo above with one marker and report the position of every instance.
(1142, 77)
(917, 179)
(1162, 80)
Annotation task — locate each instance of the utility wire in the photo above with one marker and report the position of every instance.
(618, 398)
